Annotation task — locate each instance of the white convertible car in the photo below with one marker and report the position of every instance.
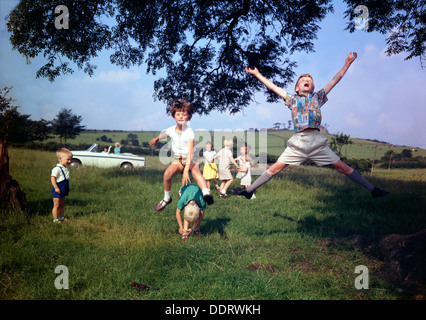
(91, 157)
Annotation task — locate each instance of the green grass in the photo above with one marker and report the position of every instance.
(277, 246)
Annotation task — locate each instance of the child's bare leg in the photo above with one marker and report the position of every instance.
(198, 176)
(169, 174)
(167, 179)
(277, 167)
(227, 184)
(61, 207)
(208, 184)
(55, 210)
(185, 226)
(185, 233)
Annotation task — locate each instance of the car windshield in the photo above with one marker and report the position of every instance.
(93, 148)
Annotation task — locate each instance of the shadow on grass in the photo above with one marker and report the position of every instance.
(215, 226)
(44, 207)
(344, 210)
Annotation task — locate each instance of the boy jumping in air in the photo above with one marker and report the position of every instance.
(307, 142)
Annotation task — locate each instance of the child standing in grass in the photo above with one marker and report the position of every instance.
(244, 171)
(183, 146)
(225, 159)
(210, 172)
(307, 142)
(60, 184)
(192, 202)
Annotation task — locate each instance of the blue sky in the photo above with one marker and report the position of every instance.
(380, 97)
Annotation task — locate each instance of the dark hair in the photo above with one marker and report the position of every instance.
(181, 105)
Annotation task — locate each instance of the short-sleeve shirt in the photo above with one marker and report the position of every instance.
(191, 192)
(306, 111)
(209, 156)
(57, 173)
(180, 141)
(224, 156)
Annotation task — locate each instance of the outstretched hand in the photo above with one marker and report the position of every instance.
(351, 57)
(152, 142)
(252, 71)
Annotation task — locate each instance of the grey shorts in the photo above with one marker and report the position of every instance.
(304, 146)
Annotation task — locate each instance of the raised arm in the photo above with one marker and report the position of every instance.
(339, 75)
(268, 83)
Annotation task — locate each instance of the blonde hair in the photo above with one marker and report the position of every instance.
(191, 212)
(228, 143)
(63, 152)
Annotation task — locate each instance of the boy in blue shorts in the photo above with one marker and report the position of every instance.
(307, 142)
(59, 178)
(192, 203)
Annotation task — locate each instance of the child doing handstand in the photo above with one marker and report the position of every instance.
(192, 202)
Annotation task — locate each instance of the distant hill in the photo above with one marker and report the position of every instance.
(276, 142)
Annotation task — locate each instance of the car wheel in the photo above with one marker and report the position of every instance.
(75, 163)
(126, 165)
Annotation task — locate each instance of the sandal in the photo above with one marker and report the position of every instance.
(185, 236)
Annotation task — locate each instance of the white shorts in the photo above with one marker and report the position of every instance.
(304, 146)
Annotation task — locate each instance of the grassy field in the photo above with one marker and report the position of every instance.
(276, 247)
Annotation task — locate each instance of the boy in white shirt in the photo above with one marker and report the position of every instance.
(60, 184)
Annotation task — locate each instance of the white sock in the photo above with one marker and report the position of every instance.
(167, 195)
(206, 191)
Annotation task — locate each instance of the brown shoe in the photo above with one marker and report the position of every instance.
(162, 204)
(224, 195)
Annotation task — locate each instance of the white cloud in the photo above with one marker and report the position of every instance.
(117, 76)
(263, 113)
(353, 120)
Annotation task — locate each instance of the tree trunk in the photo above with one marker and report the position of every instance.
(10, 192)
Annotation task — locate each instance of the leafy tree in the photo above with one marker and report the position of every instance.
(16, 127)
(338, 141)
(387, 158)
(67, 125)
(202, 45)
(407, 153)
(403, 20)
(39, 130)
